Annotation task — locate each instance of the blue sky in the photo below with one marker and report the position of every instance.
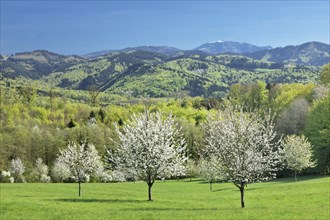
(80, 27)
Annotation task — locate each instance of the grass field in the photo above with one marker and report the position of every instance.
(280, 199)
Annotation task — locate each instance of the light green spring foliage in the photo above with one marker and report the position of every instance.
(252, 97)
(317, 129)
(77, 73)
(40, 129)
(298, 153)
(325, 75)
(283, 94)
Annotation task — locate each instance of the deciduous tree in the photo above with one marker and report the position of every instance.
(298, 153)
(82, 160)
(149, 148)
(292, 119)
(60, 170)
(244, 145)
(251, 97)
(41, 171)
(17, 168)
(317, 130)
(27, 93)
(325, 74)
(210, 169)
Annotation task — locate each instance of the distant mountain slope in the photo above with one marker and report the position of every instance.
(310, 54)
(103, 71)
(168, 51)
(36, 64)
(230, 47)
(96, 54)
(188, 53)
(150, 74)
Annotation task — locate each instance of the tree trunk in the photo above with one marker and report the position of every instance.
(79, 188)
(150, 182)
(242, 195)
(210, 185)
(295, 176)
(149, 191)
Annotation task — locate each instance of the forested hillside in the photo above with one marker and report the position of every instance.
(143, 73)
(48, 100)
(36, 64)
(310, 54)
(37, 123)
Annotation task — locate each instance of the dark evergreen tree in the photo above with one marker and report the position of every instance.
(71, 124)
(120, 122)
(102, 114)
(91, 115)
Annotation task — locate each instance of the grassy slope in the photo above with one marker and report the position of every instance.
(280, 199)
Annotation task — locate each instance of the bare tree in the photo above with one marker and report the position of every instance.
(94, 92)
(292, 119)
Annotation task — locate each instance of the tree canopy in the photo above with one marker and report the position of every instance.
(244, 144)
(149, 148)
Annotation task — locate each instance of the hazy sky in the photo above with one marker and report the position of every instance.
(80, 27)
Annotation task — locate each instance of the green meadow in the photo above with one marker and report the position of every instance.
(279, 199)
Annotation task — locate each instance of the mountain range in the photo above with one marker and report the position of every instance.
(308, 54)
(217, 47)
(311, 53)
(165, 71)
(157, 49)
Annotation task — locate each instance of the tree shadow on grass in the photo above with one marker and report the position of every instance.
(218, 190)
(78, 200)
(191, 181)
(251, 189)
(136, 209)
(300, 178)
(157, 209)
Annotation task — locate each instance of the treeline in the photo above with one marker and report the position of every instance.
(35, 126)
